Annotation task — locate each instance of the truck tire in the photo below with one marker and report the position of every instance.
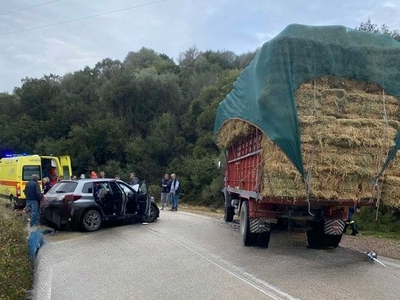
(229, 212)
(330, 241)
(263, 239)
(317, 239)
(314, 235)
(247, 237)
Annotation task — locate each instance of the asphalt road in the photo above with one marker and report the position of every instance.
(188, 256)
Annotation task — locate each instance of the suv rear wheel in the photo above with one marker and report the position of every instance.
(91, 220)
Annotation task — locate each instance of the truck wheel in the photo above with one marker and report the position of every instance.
(248, 238)
(314, 235)
(229, 212)
(317, 239)
(330, 241)
(263, 239)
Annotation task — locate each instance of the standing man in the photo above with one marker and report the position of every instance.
(102, 174)
(165, 188)
(134, 179)
(174, 192)
(33, 197)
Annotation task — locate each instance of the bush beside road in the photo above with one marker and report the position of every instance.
(16, 274)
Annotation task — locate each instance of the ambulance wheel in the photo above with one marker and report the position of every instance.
(247, 237)
(14, 205)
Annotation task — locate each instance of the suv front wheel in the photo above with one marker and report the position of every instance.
(154, 212)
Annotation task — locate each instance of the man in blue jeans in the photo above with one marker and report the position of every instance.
(33, 197)
(174, 192)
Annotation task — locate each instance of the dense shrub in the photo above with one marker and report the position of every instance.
(16, 273)
(388, 220)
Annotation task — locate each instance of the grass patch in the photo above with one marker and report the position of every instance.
(16, 273)
(384, 235)
(387, 225)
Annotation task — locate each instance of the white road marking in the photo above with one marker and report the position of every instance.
(238, 274)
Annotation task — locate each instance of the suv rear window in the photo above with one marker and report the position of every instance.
(63, 187)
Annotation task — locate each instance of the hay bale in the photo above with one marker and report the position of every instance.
(342, 128)
(391, 191)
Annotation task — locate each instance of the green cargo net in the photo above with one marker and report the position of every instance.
(264, 94)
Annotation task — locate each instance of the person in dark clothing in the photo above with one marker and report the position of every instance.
(165, 187)
(33, 197)
(134, 179)
(350, 222)
(46, 185)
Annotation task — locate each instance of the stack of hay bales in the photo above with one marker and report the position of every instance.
(344, 139)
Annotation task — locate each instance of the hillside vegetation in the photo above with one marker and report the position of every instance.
(145, 114)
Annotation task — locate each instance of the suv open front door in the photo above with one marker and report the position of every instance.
(144, 199)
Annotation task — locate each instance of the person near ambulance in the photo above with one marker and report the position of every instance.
(174, 192)
(33, 198)
(46, 185)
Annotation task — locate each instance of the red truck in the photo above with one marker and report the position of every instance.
(264, 98)
(242, 194)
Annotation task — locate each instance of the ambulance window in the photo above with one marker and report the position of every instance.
(28, 171)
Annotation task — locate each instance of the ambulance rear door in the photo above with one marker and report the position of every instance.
(66, 170)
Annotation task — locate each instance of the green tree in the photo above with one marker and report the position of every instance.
(368, 26)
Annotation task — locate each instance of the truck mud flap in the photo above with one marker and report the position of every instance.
(258, 225)
(334, 227)
(325, 234)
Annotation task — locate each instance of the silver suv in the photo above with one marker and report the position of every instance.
(86, 203)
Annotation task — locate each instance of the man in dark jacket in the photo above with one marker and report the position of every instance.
(165, 186)
(33, 197)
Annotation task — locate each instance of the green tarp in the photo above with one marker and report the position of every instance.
(264, 94)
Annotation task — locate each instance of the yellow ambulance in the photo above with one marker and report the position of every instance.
(17, 170)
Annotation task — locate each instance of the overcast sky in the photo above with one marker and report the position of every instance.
(169, 26)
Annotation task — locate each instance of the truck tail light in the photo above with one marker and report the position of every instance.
(71, 197)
